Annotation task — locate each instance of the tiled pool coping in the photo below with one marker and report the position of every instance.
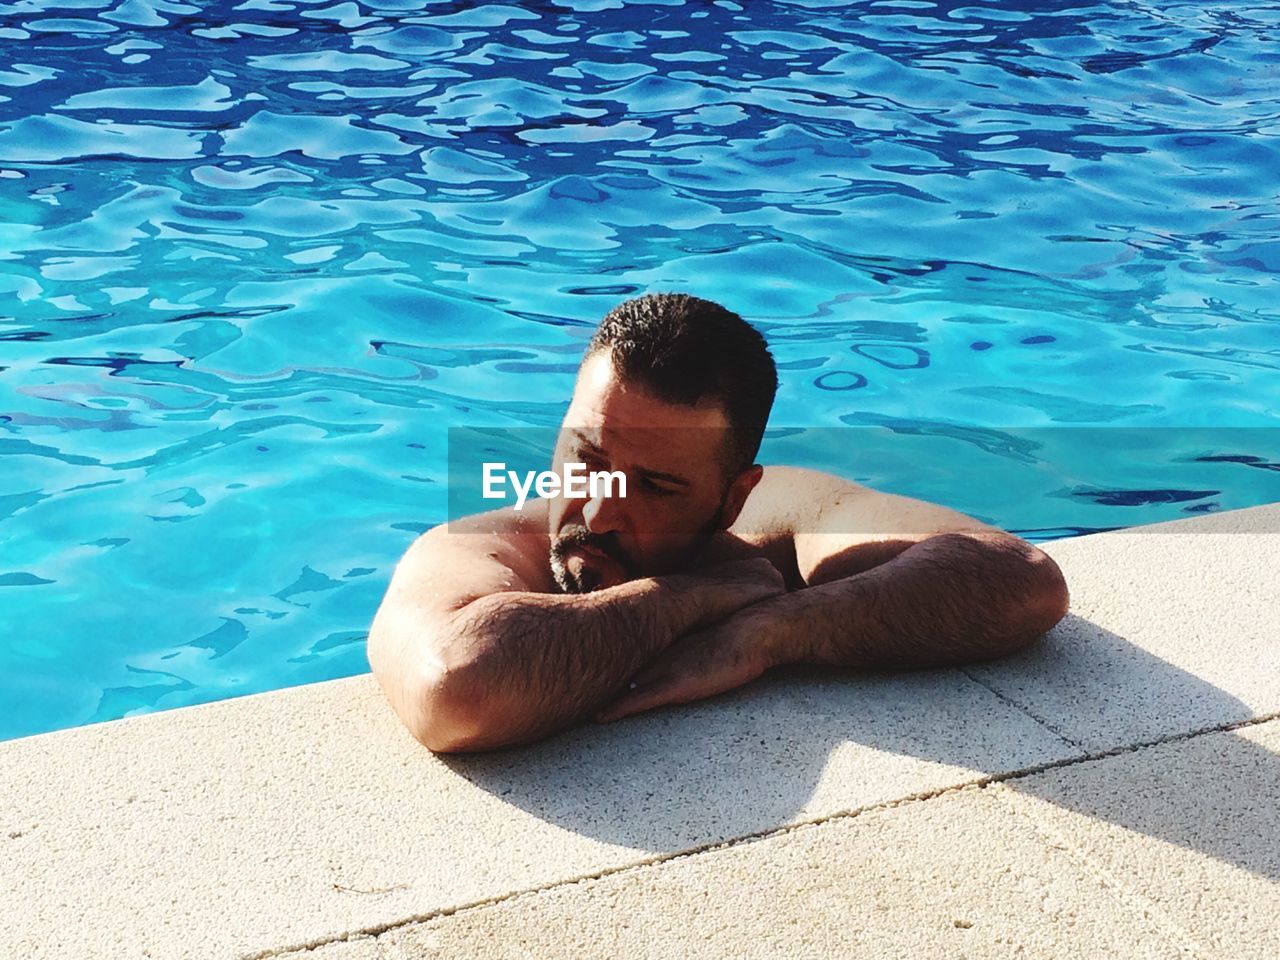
(1115, 790)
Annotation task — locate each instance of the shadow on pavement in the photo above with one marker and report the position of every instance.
(806, 742)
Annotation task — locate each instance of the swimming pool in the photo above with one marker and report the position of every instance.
(256, 257)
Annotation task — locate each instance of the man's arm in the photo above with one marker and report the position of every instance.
(472, 658)
(945, 600)
(888, 582)
(894, 582)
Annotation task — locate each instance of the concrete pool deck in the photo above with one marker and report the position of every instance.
(1114, 791)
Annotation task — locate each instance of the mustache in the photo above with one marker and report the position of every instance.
(576, 535)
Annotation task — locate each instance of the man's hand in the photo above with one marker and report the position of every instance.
(739, 584)
(726, 652)
(718, 658)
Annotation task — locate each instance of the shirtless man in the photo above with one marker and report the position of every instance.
(508, 626)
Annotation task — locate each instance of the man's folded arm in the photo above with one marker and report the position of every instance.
(944, 600)
(894, 582)
(472, 660)
(539, 662)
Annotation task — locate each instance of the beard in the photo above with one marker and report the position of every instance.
(587, 580)
(576, 535)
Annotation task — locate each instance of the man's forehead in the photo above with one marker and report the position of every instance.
(658, 448)
(603, 399)
(630, 424)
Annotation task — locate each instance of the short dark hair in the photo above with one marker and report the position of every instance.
(684, 350)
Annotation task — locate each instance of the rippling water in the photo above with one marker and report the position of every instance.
(256, 257)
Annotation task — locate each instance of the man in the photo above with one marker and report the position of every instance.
(508, 626)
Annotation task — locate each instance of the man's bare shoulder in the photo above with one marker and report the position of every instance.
(510, 539)
(820, 516)
(531, 521)
(786, 498)
(779, 478)
(806, 501)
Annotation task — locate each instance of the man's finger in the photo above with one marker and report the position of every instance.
(615, 711)
(636, 701)
(641, 698)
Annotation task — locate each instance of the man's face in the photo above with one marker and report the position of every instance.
(675, 482)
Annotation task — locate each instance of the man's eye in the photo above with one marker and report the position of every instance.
(660, 491)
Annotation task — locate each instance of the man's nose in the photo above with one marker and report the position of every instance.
(603, 514)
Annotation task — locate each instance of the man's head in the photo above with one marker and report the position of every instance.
(674, 392)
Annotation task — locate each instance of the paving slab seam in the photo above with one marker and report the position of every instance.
(1130, 899)
(1131, 748)
(1146, 907)
(365, 933)
(1026, 711)
(978, 783)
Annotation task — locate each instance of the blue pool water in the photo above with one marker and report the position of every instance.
(256, 257)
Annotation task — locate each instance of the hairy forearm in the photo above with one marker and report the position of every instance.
(947, 600)
(541, 662)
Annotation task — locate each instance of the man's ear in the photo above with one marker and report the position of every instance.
(736, 497)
